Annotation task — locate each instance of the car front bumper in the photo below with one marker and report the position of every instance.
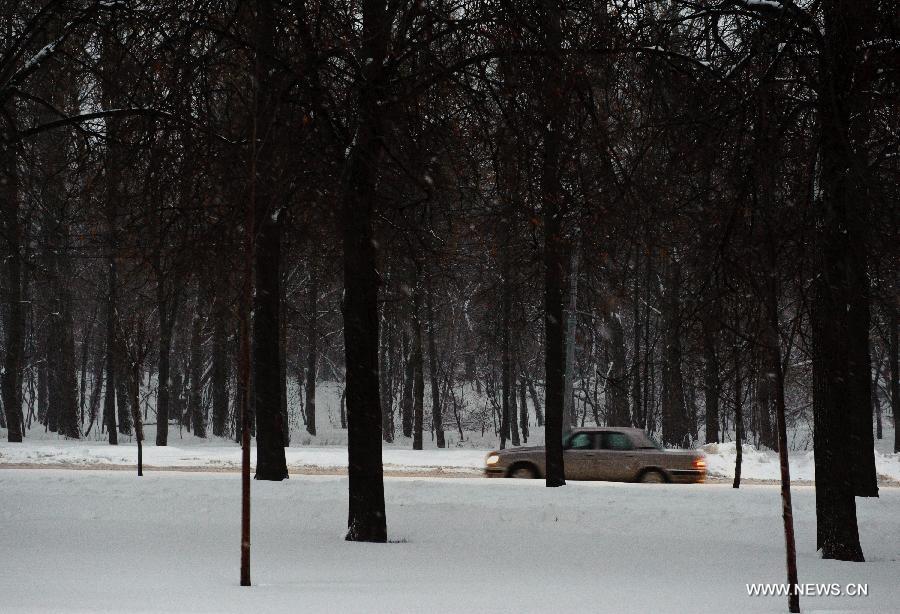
(494, 472)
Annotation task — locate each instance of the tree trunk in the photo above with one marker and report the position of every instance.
(711, 386)
(437, 421)
(617, 382)
(554, 116)
(219, 369)
(675, 423)
(166, 323)
(523, 409)
(109, 399)
(270, 459)
(738, 421)
(312, 356)
(11, 229)
(195, 395)
(387, 393)
(840, 356)
(418, 367)
(366, 519)
(406, 404)
(570, 418)
(894, 350)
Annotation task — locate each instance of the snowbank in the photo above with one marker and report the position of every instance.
(764, 464)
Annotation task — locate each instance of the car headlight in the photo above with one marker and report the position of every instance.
(699, 463)
(492, 459)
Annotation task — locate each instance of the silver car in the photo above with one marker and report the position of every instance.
(605, 453)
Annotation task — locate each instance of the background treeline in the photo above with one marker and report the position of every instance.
(668, 214)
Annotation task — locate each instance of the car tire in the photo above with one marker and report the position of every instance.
(652, 477)
(522, 472)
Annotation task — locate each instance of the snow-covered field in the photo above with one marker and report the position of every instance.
(108, 541)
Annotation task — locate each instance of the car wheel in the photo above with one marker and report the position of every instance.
(653, 477)
(523, 472)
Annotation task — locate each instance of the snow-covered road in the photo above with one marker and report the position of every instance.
(103, 541)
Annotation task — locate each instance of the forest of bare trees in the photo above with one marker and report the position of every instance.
(479, 218)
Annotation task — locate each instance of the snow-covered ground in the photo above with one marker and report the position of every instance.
(108, 541)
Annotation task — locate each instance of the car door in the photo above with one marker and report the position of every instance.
(616, 460)
(580, 456)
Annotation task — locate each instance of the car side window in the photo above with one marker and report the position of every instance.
(581, 441)
(616, 441)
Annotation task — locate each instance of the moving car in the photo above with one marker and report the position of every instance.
(604, 453)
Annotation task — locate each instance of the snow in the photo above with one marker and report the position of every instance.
(764, 464)
(222, 454)
(108, 541)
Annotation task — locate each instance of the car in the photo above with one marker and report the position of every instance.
(615, 454)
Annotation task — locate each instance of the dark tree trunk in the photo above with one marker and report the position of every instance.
(11, 230)
(122, 395)
(406, 404)
(617, 383)
(109, 399)
(637, 409)
(675, 422)
(711, 385)
(166, 322)
(437, 421)
(134, 386)
(282, 365)
(555, 261)
(738, 420)
(266, 380)
(195, 394)
(894, 350)
(418, 368)
(387, 394)
(523, 411)
(366, 518)
(839, 315)
(219, 369)
(312, 335)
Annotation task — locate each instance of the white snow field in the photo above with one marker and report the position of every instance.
(108, 541)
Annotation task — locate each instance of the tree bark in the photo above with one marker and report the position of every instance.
(270, 459)
(166, 323)
(617, 382)
(555, 264)
(406, 404)
(366, 518)
(523, 410)
(219, 368)
(894, 350)
(312, 356)
(436, 417)
(711, 385)
(675, 423)
(195, 394)
(838, 313)
(738, 421)
(418, 368)
(11, 228)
